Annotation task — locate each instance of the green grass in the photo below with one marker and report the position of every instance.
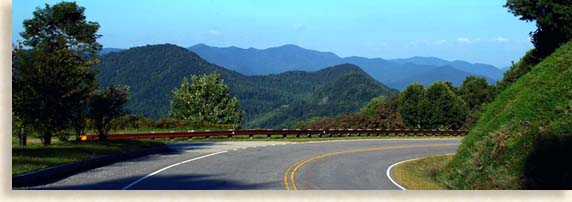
(35, 156)
(421, 174)
(520, 140)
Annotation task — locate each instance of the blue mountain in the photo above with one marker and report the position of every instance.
(394, 73)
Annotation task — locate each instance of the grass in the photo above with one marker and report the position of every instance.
(520, 141)
(421, 174)
(36, 156)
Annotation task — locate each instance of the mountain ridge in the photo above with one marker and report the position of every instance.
(153, 71)
(271, 60)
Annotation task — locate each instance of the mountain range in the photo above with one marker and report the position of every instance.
(396, 73)
(267, 101)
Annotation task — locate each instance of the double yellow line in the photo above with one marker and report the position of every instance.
(290, 173)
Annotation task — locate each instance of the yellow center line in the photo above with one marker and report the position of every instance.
(290, 173)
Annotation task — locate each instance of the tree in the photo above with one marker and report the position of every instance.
(475, 91)
(412, 104)
(52, 76)
(372, 106)
(207, 99)
(445, 109)
(105, 105)
(553, 21)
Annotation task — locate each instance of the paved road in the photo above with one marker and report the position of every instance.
(330, 165)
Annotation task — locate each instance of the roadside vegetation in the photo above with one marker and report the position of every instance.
(439, 106)
(421, 174)
(523, 138)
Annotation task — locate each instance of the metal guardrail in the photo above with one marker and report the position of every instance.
(284, 133)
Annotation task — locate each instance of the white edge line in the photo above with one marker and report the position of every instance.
(391, 167)
(165, 168)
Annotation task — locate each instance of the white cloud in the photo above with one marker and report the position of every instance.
(440, 42)
(501, 39)
(214, 32)
(298, 27)
(467, 40)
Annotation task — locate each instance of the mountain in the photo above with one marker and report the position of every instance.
(104, 51)
(523, 136)
(346, 94)
(268, 61)
(476, 68)
(290, 57)
(153, 71)
(428, 76)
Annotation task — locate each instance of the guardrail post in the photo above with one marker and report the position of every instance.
(269, 136)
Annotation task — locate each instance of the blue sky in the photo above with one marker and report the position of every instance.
(472, 30)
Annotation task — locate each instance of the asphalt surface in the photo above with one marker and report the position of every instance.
(326, 165)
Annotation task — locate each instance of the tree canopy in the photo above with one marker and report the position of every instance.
(475, 91)
(105, 105)
(206, 99)
(412, 101)
(52, 78)
(553, 21)
(444, 109)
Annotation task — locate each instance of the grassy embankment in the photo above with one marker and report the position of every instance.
(420, 174)
(523, 139)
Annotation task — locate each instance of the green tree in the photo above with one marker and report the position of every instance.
(207, 99)
(373, 105)
(553, 21)
(445, 109)
(52, 77)
(105, 105)
(475, 91)
(412, 104)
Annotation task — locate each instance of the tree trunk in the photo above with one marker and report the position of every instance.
(47, 138)
(78, 133)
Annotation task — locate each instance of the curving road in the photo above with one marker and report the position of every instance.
(327, 165)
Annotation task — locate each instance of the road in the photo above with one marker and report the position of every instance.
(326, 165)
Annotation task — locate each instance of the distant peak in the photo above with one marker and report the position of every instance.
(289, 46)
(200, 45)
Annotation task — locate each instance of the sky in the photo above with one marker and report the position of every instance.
(480, 31)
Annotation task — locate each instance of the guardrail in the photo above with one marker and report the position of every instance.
(284, 133)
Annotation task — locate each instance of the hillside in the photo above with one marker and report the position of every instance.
(343, 95)
(152, 72)
(523, 139)
(290, 57)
